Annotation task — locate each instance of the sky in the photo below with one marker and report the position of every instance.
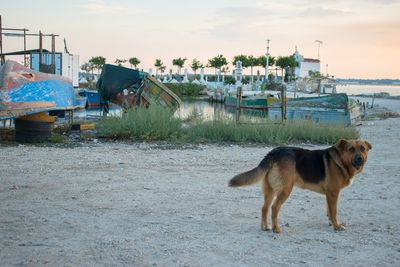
(360, 38)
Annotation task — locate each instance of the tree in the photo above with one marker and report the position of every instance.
(179, 62)
(314, 74)
(262, 61)
(195, 66)
(87, 67)
(217, 62)
(134, 61)
(252, 61)
(119, 62)
(159, 66)
(97, 62)
(286, 63)
(241, 58)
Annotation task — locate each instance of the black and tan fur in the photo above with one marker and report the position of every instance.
(325, 171)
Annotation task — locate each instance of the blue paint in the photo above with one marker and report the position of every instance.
(58, 92)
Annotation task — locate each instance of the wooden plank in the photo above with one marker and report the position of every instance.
(41, 116)
(83, 126)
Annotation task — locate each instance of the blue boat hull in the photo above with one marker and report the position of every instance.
(35, 97)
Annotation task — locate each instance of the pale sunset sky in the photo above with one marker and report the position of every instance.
(361, 38)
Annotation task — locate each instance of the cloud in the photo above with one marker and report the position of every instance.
(322, 12)
(243, 12)
(109, 7)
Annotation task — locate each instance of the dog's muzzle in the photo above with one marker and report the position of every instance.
(358, 161)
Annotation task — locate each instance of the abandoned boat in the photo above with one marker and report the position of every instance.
(128, 87)
(24, 91)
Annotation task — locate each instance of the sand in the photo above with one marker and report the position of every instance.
(119, 204)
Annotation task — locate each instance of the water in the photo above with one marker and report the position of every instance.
(356, 89)
(211, 110)
(207, 109)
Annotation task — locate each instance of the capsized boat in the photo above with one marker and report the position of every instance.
(128, 87)
(24, 91)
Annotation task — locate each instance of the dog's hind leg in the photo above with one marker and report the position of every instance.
(280, 199)
(268, 197)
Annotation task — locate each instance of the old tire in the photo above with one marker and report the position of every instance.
(32, 131)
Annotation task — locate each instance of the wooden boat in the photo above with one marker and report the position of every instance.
(128, 87)
(92, 98)
(24, 92)
(157, 93)
(258, 102)
(327, 109)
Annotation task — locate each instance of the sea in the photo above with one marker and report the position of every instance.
(368, 89)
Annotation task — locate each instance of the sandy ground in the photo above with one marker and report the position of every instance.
(115, 204)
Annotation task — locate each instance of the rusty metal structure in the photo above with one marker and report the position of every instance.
(22, 33)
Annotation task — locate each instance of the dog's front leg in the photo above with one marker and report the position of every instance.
(332, 200)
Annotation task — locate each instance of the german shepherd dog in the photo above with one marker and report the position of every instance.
(325, 171)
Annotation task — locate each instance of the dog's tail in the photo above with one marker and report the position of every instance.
(253, 176)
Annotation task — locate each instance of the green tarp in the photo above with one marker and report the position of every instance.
(114, 79)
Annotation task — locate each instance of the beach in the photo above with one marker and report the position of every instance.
(138, 204)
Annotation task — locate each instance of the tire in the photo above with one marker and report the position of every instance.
(32, 131)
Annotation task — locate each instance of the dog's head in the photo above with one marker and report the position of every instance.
(353, 153)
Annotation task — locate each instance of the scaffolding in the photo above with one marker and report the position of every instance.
(22, 33)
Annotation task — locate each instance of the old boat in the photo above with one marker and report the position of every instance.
(24, 92)
(92, 98)
(128, 87)
(251, 102)
(327, 109)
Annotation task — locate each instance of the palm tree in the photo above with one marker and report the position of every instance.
(159, 66)
(134, 61)
(119, 62)
(87, 67)
(287, 63)
(179, 62)
(195, 66)
(241, 58)
(252, 61)
(217, 62)
(97, 62)
(262, 61)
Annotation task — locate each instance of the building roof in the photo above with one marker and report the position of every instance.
(311, 60)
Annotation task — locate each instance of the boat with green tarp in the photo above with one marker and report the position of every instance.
(128, 87)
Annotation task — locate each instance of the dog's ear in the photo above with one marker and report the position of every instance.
(341, 144)
(368, 145)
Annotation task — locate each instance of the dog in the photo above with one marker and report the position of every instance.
(325, 171)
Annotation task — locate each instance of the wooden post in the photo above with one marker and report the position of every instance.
(25, 48)
(373, 100)
(53, 52)
(238, 103)
(1, 42)
(40, 50)
(284, 104)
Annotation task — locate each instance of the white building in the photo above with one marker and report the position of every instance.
(305, 65)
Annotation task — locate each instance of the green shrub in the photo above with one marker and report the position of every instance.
(154, 123)
(157, 123)
(226, 130)
(186, 89)
(57, 138)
